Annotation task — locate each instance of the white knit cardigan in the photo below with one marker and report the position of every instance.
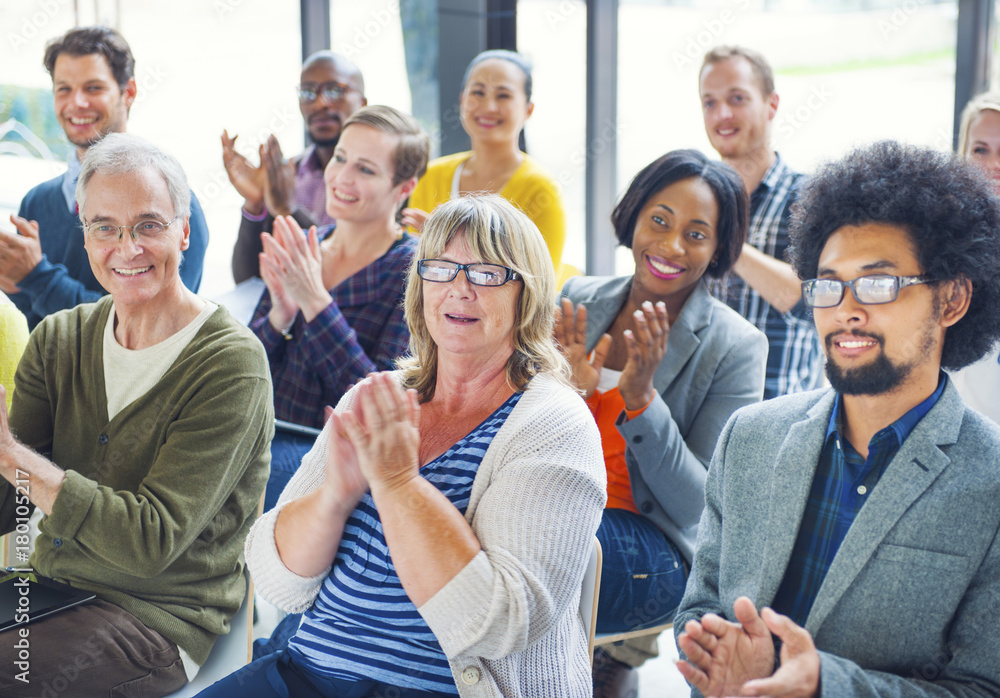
(509, 622)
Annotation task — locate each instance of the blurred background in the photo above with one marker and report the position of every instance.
(847, 72)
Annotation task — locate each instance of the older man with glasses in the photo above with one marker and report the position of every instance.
(331, 88)
(141, 428)
(857, 528)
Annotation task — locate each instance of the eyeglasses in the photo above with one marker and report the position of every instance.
(868, 290)
(331, 91)
(148, 231)
(441, 271)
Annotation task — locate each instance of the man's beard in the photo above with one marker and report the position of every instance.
(325, 143)
(882, 375)
(875, 378)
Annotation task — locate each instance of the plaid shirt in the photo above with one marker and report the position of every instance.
(361, 331)
(840, 487)
(794, 359)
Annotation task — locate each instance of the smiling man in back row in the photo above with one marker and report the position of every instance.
(43, 265)
(865, 517)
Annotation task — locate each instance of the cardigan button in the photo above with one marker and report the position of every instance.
(102, 439)
(647, 507)
(470, 675)
(637, 439)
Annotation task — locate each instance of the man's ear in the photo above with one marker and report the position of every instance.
(186, 235)
(130, 92)
(954, 296)
(772, 105)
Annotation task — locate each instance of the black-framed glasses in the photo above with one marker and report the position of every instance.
(479, 274)
(148, 230)
(868, 290)
(331, 91)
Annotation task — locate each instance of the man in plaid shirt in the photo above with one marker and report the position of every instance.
(739, 104)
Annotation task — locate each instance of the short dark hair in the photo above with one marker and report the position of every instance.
(504, 55)
(946, 206)
(677, 165)
(410, 158)
(759, 64)
(83, 41)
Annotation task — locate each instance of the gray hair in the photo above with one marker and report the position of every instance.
(122, 154)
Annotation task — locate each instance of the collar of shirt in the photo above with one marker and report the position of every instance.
(69, 181)
(774, 173)
(902, 426)
(309, 162)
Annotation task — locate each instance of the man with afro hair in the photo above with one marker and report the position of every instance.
(849, 544)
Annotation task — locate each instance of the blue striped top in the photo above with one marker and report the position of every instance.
(363, 625)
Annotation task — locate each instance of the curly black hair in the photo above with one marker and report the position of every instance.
(948, 208)
(677, 165)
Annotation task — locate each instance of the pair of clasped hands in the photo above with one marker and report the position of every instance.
(270, 185)
(291, 266)
(737, 659)
(376, 444)
(646, 346)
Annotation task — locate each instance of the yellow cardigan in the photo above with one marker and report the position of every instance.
(530, 188)
(13, 337)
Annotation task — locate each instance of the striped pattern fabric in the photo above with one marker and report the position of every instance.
(794, 359)
(363, 625)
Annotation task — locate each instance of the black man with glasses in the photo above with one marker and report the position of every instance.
(850, 544)
(330, 89)
(43, 266)
(141, 428)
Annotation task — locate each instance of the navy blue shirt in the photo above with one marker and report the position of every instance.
(841, 486)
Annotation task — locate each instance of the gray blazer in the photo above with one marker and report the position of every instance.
(715, 364)
(911, 602)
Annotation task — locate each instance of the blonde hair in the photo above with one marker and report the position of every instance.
(496, 233)
(976, 105)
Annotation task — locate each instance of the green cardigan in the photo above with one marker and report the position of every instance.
(157, 502)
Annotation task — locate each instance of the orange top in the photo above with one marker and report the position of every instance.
(606, 407)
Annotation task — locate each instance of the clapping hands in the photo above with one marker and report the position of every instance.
(737, 659)
(571, 336)
(291, 266)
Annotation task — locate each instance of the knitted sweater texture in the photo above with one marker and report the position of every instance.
(509, 622)
(156, 502)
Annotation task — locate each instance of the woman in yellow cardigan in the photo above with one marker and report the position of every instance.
(13, 337)
(494, 104)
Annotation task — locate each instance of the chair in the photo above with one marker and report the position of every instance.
(589, 594)
(589, 597)
(233, 651)
(230, 653)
